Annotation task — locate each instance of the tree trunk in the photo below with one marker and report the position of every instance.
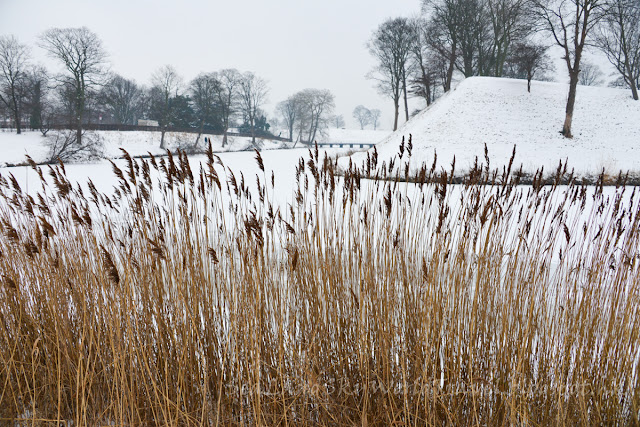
(16, 112)
(404, 90)
(253, 131)
(631, 81)
(224, 136)
(529, 77)
(79, 135)
(571, 100)
(17, 119)
(162, 144)
(397, 112)
(195, 145)
(452, 63)
(79, 128)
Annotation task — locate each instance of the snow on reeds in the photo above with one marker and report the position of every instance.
(184, 298)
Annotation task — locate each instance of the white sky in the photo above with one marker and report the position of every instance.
(293, 44)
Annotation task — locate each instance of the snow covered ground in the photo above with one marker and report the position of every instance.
(13, 148)
(281, 162)
(501, 114)
(355, 136)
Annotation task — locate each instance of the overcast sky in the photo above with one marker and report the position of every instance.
(294, 44)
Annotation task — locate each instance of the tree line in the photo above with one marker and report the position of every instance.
(501, 38)
(87, 91)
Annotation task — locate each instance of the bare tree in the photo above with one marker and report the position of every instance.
(290, 111)
(204, 94)
(425, 71)
(166, 85)
(362, 115)
(228, 97)
(619, 38)
(38, 101)
(474, 35)
(442, 35)
(590, 74)
(338, 121)
(83, 57)
(391, 46)
(253, 94)
(375, 117)
(529, 60)
(63, 146)
(570, 22)
(122, 99)
(510, 24)
(316, 107)
(14, 58)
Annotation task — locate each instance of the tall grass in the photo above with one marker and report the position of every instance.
(185, 298)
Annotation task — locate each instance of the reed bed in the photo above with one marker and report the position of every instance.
(186, 298)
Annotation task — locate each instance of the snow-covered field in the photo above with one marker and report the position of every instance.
(501, 114)
(281, 162)
(13, 148)
(355, 136)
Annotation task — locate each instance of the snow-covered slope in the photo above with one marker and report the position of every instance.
(500, 113)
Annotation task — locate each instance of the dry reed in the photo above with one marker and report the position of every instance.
(185, 298)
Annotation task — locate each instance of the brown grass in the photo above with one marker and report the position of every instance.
(184, 298)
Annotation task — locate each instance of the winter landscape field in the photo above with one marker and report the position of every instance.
(200, 248)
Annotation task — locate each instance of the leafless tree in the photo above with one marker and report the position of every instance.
(316, 107)
(511, 23)
(253, 94)
(14, 58)
(338, 121)
(362, 115)
(391, 46)
(570, 23)
(425, 72)
(529, 60)
(474, 35)
(204, 95)
(441, 36)
(375, 117)
(228, 97)
(166, 85)
(83, 57)
(590, 74)
(619, 38)
(63, 146)
(122, 99)
(39, 103)
(290, 111)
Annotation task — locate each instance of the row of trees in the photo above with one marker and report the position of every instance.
(420, 56)
(88, 92)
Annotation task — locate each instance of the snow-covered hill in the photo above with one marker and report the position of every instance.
(500, 113)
